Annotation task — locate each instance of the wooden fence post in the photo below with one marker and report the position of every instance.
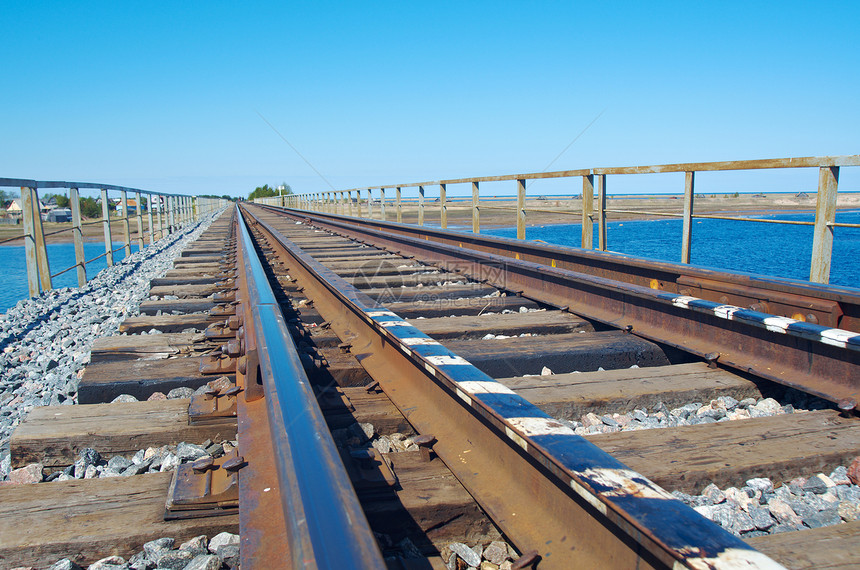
(687, 231)
(398, 196)
(77, 236)
(171, 214)
(521, 208)
(601, 212)
(35, 250)
(420, 205)
(382, 204)
(443, 205)
(149, 205)
(476, 213)
(106, 227)
(825, 214)
(126, 227)
(588, 211)
(160, 217)
(139, 216)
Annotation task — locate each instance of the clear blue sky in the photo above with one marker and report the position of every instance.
(166, 96)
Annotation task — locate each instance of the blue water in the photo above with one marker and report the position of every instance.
(60, 256)
(750, 247)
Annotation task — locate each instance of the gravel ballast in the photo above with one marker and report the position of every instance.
(45, 342)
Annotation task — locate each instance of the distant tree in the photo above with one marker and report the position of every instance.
(90, 208)
(265, 191)
(61, 199)
(6, 196)
(262, 192)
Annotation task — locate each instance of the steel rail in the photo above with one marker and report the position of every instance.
(327, 528)
(819, 360)
(547, 488)
(828, 305)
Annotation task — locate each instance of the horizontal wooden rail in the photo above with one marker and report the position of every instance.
(336, 201)
(181, 210)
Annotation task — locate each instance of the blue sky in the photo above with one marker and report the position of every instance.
(169, 97)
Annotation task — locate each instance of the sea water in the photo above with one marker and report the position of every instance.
(749, 247)
(778, 250)
(13, 285)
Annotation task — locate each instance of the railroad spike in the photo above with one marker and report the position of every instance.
(846, 406)
(425, 444)
(232, 391)
(202, 464)
(528, 559)
(712, 357)
(234, 464)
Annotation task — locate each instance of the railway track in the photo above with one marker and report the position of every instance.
(395, 390)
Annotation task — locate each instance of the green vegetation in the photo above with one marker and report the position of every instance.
(222, 197)
(62, 200)
(266, 191)
(90, 208)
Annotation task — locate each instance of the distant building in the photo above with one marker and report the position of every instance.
(131, 204)
(15, 208)
(60, 215)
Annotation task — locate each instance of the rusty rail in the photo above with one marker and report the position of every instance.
(326, 527)
(817, 359)
(825, 222)
(830, 306)
(547, 488)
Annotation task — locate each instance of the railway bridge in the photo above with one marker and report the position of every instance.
(413, 397)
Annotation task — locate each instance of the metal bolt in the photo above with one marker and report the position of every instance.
(234, 348)
(529, 558)
(628, 329)
(425, 444)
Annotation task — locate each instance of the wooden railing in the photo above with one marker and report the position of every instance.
(171, 212)
(343, 202)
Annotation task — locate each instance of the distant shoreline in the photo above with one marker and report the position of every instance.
(540, 211)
